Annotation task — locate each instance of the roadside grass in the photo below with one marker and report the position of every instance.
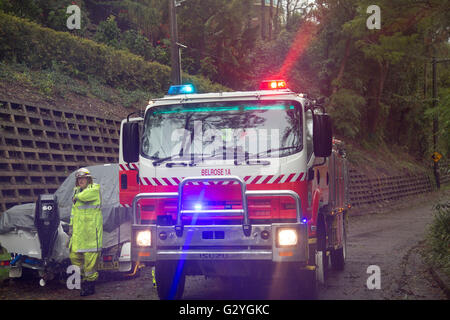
(438, 238)
(382, 159)
(55, 82)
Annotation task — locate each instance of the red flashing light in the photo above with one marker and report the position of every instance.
(272, 85)
(107, 258)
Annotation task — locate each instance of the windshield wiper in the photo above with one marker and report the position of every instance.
(159, 161)
(274, 150)
(173, 164)
(257, 161)
(250, 162)
(178, 164)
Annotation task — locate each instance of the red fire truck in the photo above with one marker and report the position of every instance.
(246, 185)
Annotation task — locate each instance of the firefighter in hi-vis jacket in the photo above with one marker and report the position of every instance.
(86, 229)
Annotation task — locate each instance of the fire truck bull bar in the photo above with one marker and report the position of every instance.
(227, 242)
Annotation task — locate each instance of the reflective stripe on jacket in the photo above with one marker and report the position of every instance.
(86, 220)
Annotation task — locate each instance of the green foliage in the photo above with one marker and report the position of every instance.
(208, 67)
(385, 67)
(135, 98)
(373, 80)
(345, 106)
(143, 16)
(219, 38)
(108, 32)
(49, 13)
(137, 44)
(52, 83)
(442, 112)
(80, 58)
(438, 237)
(25, 9)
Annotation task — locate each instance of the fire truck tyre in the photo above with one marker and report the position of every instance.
(338, 255)
(169, 280)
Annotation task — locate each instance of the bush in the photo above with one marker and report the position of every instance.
(26, 42)
(108, 32)
(438, 237)
(345, 106)
(137, 44)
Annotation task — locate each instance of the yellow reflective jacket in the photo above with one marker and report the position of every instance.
(86, 220)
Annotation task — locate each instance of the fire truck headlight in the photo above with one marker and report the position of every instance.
(144, 238)
(287, 237)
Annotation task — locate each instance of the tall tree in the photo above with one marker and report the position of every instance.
(262, 18)
(219, 36)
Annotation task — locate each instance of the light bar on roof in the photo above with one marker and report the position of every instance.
(272, 85)
(181, 89)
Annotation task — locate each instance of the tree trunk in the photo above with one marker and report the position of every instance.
(377, 90)
(270, 19)
(342, 66)
(288, 3)
(277, 12)
(263, 20)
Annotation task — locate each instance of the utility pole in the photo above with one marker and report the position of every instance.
(435, 124)
(175, 74)
(434, 62)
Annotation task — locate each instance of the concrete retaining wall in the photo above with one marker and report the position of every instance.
(41, 145)
(365, 191)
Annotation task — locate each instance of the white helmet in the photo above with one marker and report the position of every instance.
(83, 173)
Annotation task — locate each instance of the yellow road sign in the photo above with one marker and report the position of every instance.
(436, 156)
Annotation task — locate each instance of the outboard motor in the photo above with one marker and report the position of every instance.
(46, 220)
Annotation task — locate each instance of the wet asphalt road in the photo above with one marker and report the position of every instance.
(391, 239)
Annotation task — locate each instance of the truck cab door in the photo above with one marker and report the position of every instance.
(130, 133)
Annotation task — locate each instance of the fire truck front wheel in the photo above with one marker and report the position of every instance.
(170, 279)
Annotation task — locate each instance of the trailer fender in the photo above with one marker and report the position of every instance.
(125, 264)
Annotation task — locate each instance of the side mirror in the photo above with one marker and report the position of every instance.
(322, 135)
(130, 141)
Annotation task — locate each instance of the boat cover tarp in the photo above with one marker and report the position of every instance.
(22, 216)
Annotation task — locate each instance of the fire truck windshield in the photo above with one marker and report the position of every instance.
(223, 131)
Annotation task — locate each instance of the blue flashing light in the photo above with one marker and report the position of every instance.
(181, 89)
(198, 206)
(304, 220)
